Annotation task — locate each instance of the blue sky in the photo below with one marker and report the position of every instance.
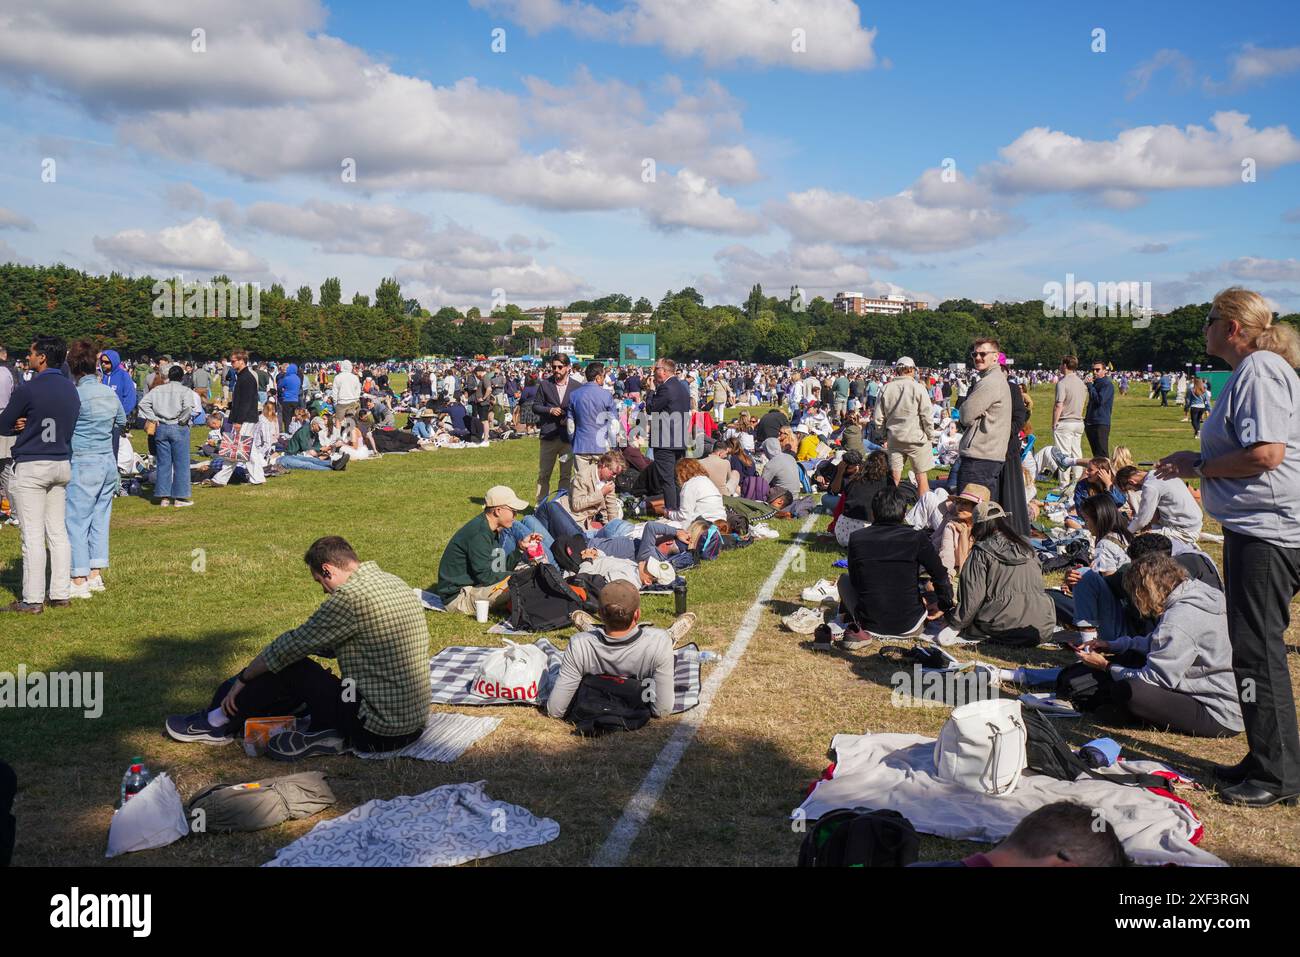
(519, 174)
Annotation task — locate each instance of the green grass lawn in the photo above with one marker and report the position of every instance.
(170, 627)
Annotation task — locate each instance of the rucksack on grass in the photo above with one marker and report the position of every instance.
(860, 838)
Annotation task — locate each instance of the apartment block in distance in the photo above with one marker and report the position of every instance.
(856, 304)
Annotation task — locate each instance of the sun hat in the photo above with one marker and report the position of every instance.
(661, 571)
(973, 493)
(905, 362)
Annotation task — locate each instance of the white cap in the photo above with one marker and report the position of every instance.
(905, 363)
(661, 571)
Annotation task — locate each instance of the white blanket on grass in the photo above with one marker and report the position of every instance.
(896, 771)
(448, 825)
(446, 737)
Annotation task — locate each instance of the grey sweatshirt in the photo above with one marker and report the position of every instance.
(1189, 652)
(1167, 503)
(986, 417)
(646, 654)
(781, 470)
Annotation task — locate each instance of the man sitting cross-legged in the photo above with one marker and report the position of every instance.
(373, 623)
(620, 646)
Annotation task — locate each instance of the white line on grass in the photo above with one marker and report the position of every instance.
(616, 847)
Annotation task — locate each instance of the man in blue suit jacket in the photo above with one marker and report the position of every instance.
(594, 412)
(670, 419)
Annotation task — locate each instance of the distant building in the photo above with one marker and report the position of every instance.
(856, 304)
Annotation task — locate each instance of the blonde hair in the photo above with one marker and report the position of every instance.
(1120, 457)
(1150, 580)
(1251, 312)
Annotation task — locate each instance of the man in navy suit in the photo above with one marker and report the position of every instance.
(554, 395)
(670, 419)
(594, 412)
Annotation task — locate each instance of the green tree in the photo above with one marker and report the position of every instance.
(331, 292)
(304, 295)
(551, 324)
(388, 297)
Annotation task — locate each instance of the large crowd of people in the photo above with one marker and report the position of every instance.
(948, 508)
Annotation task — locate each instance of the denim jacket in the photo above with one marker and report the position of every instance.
(101, 414)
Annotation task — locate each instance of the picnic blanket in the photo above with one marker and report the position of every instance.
(452, 670)
(896, 771)
(448, 825)
(445, 737)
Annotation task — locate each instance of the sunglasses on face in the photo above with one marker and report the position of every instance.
(979, 355)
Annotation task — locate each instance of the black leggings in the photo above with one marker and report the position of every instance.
(1197, 416)
(305, 683)
(1141, 702)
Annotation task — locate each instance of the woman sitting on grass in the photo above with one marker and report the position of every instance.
(1002, 596)
(1179, 676)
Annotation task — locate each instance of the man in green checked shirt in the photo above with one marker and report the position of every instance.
(373, 623)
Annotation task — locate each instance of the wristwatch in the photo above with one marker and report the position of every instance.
(1197, 467)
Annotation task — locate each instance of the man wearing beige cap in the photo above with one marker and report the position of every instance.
(478, 560)
(905, 415)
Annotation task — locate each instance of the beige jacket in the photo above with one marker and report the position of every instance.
(986, 417)
(904, 412)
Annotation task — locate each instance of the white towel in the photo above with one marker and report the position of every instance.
(445, 738)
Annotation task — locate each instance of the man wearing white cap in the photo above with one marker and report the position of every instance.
(905, 414)
(479, 558)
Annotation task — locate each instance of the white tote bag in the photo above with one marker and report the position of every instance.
(982, 746)
(513, 672)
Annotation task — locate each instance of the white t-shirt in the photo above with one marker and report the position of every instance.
(1260, 403)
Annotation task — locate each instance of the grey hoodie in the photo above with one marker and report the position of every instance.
(1188, 652)
(1002, 592)
(646, 654)
(781, 470)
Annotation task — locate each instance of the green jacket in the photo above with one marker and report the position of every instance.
(1002, 592)
(301, 442)
(473, 557)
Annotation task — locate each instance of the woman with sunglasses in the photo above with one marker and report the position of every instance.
(1249, 467)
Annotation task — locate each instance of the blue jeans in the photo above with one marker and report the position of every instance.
(524, 526)
(1096, 604)
(304, 462)
(173, 444)
(89, 509)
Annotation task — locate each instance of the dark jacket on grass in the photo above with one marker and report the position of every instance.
(885, 564)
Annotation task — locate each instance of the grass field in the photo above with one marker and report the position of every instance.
(164, 634)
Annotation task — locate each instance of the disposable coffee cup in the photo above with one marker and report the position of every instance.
(481, 610)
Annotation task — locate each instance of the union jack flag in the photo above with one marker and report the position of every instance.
(235, 447)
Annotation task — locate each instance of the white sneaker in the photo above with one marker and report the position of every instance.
(96, 584)
(80, 591)
(182, 503)
(762, 530)
(824, 590)
(803, 621)
(684, 623)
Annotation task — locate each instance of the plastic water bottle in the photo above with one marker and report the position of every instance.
(708, 656)
(135, 780)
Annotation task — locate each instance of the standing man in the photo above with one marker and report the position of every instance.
(345, 390)
(1166, 386)
(43, 413)
(1101, 399)
(986, 417)
(1067, 418)
(904, 413)
(840, 388)
(669, 407)
(595, 422)
(551, 404)
(289, 392)
(244, 412)
(8, 382)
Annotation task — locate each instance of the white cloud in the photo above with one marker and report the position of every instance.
(526, 284)
(185, 196)
(197, 246)
(1142, 158)
(1264, 270)
(1140, 78)
(10, 255)
(1152, 249)
(819, 269)
(721, 32)
(893, 222)
(1256, 64)
(11, 220)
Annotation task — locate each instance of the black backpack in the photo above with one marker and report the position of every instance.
(1075, 552)
(1048, 753)
(860, 838)
(1083, 686)
(605, 703)
(541, 600)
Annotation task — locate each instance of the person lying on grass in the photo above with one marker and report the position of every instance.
(373, 623)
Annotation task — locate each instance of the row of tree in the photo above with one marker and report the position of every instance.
(124, 312)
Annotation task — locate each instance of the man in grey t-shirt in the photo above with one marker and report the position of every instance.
(1067, 417)
(1166, 505)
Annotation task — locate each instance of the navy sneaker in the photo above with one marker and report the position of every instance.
(293, 745)
(196, 729)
